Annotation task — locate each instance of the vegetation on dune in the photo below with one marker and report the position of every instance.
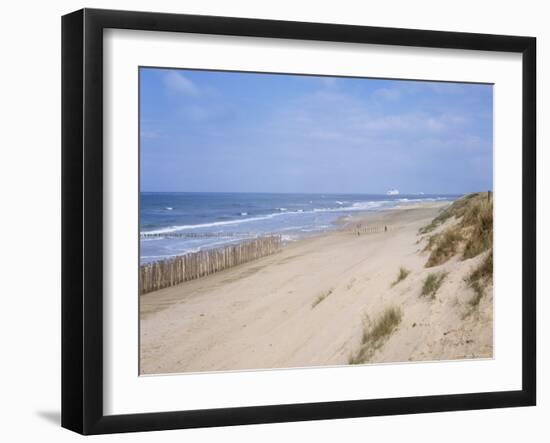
(321, 297)
(403, 273)
(479, 221)
(472, 234)
(375, 334)
(479, 278)
(444, 247)
(432, 283)
(432, 241)
(439, 220)
(456, 209)
(485, 270)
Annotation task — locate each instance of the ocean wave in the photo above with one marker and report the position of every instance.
(177, 228)
(189, 250)
(315, 229)
(288, 238)
(289, 228)
(361, 206)
(357, 206)
(152, 238)
(207, 225)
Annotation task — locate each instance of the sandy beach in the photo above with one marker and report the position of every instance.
(309, 304)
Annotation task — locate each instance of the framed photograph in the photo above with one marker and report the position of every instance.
(268, 221)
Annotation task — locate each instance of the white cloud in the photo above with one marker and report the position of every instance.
(177, 82)
(198, 113)
(149, 134)
(389, 94)
(327, 116)
(329, 82)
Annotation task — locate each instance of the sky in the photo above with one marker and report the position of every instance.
(213, 131)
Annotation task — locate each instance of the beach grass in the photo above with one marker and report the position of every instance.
(444, 246)
(479, 219)
(456, 209)
(321, 297)
(375, 334)
(471, 235)
(432, 283)
(403, 273)
(432, 242)
(479, 278)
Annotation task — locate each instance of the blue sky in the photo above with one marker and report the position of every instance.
(245, 132)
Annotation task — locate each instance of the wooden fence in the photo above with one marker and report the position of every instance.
(170, 272)
(369, 229)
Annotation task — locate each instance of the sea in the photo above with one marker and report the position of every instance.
(176, 223)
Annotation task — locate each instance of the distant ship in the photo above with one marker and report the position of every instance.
(393, 192)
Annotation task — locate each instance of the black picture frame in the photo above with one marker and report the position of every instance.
(82, 218)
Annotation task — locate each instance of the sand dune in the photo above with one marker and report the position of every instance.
(309, 304)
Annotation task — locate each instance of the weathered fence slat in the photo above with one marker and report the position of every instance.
(369, 229)
(170, 272)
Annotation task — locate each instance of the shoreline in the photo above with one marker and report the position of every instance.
(339, 224)
(306, 305)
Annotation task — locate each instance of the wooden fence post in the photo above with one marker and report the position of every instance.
(170, 272)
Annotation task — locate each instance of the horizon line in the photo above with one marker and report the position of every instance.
(312, 193)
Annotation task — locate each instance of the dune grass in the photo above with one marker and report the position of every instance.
(375, 334)
(479, 278)
(321, 297)
(432, 283)
(432, 242)
(444, 247)
(456, 209)
(479, 221)
(403, 273)
(470, 236)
